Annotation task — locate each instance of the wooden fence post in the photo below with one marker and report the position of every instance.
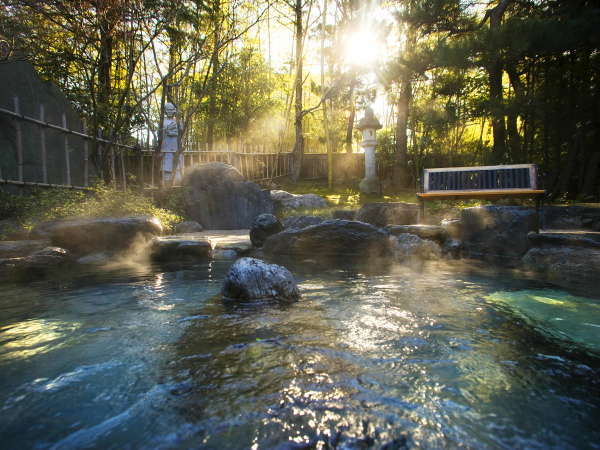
(123, 170)
(142, 169)
(67, 159)
(19, 139)
(152, 171)
(113, 166)
(43, 145)
(86, 155)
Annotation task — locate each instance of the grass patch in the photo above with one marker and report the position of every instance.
(24, 212)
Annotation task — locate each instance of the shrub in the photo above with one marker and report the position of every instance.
(51, 204)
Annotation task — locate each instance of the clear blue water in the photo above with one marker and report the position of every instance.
(155, 359)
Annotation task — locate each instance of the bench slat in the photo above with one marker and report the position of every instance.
(475, 193)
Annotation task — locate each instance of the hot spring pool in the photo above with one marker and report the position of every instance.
(403, 359)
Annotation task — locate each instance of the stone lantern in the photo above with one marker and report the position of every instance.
(368, 125)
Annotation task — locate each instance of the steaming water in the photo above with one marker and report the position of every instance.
(157, 360)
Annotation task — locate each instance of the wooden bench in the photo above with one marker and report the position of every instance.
(484, 182)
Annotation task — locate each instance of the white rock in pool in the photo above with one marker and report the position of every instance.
(253, 279)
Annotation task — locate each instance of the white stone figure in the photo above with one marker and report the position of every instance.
(368, 125)
(169, 145)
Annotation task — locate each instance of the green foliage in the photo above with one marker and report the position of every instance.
(51, 204)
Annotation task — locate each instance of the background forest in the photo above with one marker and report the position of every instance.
(455, 82)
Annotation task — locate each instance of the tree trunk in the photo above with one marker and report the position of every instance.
(212, 92)
(325, 118)
(299, 140)
(104, 86)
(495, 70)
(350, 125)
(400, 172)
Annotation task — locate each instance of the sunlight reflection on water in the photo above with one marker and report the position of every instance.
(416, 358)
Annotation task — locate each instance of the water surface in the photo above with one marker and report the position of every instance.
(155, 359)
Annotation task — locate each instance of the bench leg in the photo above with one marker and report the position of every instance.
(539, 205)
(421, 216)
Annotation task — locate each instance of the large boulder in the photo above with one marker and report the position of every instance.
(331, 239)
(388, 213)
(94, 234)
(432, 232)
(189, 226)
(570, 267)
(253, 279)
(14, 249)
(36, 264)
(285, 200)
(180, 249)
(410, 247)
(217, 196)
(264, 226)
(497, 233)
(297, 222)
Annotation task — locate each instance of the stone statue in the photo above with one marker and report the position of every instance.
(170, 145)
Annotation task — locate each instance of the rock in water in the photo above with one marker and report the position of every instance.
(285, 200)
(253, 279)
(298, 222)
(570, 267)
(16, 249)
(390, 213)
(331, 239)
(96, 234)
(36, 264)
(497, 233)
(264, 226)
(218, 197)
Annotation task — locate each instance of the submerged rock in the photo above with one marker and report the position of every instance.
(431, 232)
(253, 279)
(94, 234)
(390, 213)
(180, 249)
(264, 226)
(285, 200)
(189, 226)
(497, 233)
(218, 197)
(555, 314)
(332, 239)
(412, 247)
(298, 222)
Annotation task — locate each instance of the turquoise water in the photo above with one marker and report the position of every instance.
(155, 359)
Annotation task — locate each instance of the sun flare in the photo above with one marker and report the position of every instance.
(362, 48)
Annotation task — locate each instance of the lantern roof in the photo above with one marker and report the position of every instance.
(369, 120)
